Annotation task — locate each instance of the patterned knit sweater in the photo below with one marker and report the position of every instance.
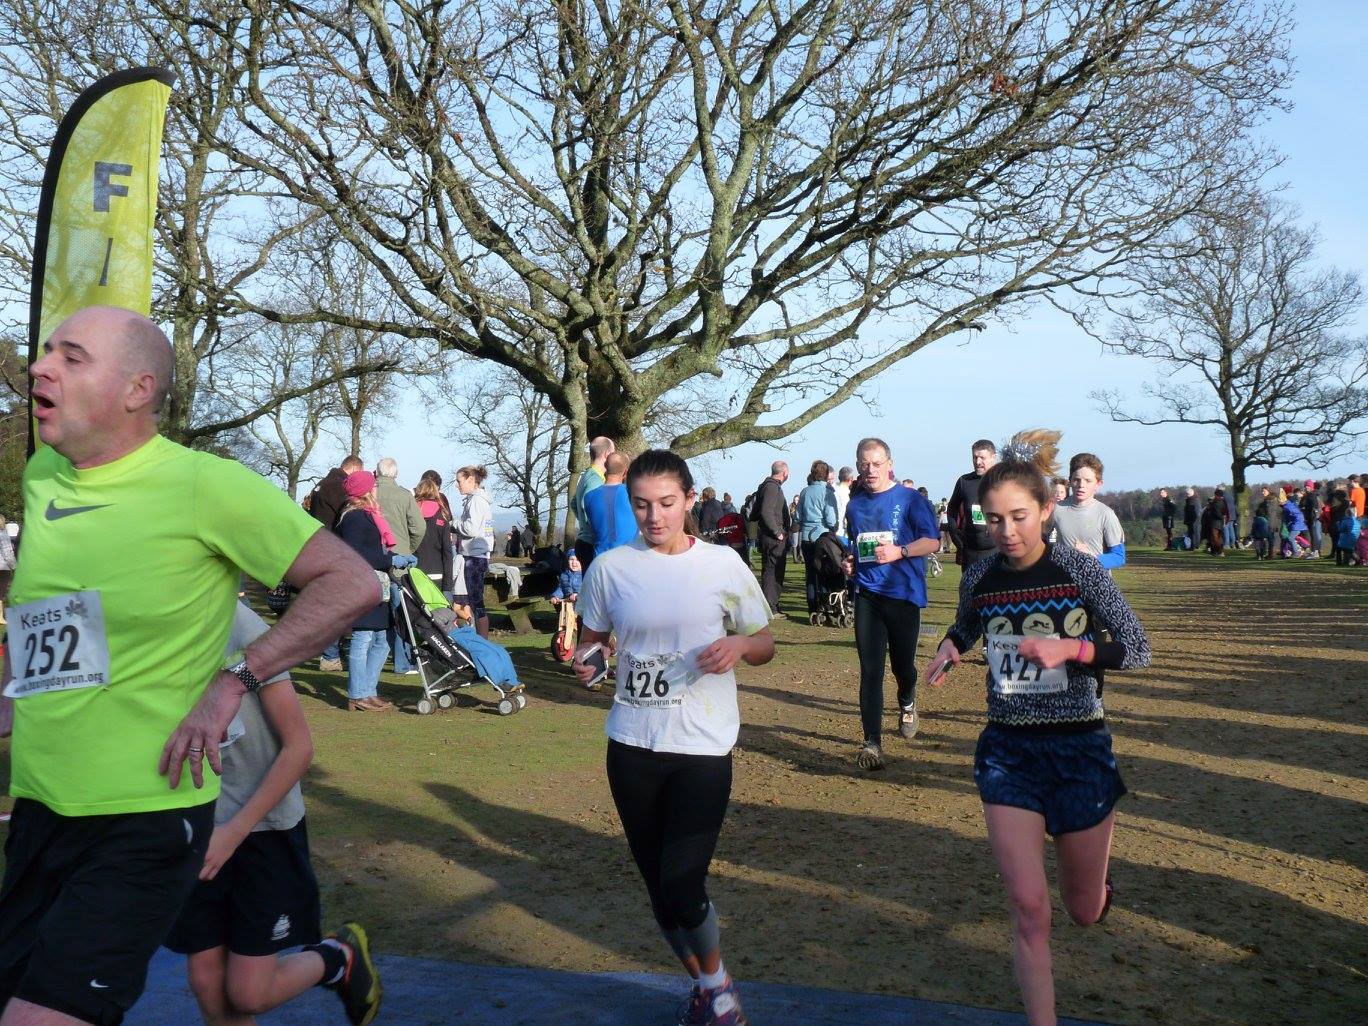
(1065, 594)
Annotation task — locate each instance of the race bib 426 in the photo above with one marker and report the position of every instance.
(57, 644)
(653, 682)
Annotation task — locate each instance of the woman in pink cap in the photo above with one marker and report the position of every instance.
(363, 527)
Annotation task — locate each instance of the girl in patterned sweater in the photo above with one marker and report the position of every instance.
(1053, 622)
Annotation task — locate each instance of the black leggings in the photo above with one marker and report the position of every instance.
(671, 807)
(885, 626)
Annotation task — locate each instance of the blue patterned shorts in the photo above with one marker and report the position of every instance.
(1070, 779)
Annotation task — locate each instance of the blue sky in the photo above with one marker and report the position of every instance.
(933, 405)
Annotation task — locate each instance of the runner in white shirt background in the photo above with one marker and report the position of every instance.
(684, 612)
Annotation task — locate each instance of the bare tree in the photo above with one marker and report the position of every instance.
(739, 189)
(1252, 338)
(515, 430)
(276, 358)
(219, 225)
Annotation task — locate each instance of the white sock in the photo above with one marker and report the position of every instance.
(713, 981)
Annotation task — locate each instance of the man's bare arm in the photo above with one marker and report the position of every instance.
(335, 587)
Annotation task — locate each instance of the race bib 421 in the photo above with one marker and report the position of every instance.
(1015, 675)
(57, 644)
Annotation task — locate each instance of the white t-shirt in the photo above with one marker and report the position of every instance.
(665, 611)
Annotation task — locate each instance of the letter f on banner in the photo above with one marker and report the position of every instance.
(93, 241)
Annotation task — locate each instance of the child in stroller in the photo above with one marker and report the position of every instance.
(834, 608)
(451, 656)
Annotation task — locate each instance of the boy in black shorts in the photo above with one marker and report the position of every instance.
(257, 894)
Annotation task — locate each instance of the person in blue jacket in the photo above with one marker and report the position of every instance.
(569, 583)
(892, 529)
(815, 516)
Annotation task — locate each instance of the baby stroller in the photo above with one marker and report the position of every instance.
(834, 607)
(444, 666)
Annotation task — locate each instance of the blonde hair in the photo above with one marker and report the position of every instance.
(1031, 460)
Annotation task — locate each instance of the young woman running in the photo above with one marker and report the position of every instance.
(672, 601)
(1044, 762)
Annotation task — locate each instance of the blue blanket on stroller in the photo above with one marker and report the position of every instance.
(490, 659)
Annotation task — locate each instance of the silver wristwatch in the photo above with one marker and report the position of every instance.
(242, 673)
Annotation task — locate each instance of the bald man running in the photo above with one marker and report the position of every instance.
(114, 672)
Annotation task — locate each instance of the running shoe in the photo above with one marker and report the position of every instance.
(724, 1006)
(694, 1011)
(359, 987)
(1106, 905)
(907, 724)
(870, 757)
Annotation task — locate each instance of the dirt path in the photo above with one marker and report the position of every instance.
(1239, 860)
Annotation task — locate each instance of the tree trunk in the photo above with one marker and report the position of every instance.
(579, 460)
(1239, 485)
(553, 497)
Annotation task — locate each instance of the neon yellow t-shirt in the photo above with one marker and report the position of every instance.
(120, 609)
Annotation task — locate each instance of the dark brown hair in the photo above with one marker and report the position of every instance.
(478, 473)
(821, 470)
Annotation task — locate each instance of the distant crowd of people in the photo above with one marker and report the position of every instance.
(391, 527)
(1289, 521)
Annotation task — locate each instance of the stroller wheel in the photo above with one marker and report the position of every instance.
(425, 706)
(506, 706)
(521, 699)
(446, 700)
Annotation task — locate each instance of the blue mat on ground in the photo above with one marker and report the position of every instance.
(425, 992)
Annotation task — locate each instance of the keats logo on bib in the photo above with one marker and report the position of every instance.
(58, 644)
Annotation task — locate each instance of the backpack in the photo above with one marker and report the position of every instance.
(731, 530)
(754, 515)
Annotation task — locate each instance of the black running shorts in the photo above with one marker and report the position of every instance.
(263, 900)
(87, 900)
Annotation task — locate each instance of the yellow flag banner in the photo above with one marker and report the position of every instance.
(93, 241)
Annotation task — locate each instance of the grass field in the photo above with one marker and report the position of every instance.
(1239, 859)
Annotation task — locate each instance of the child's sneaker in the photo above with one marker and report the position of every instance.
(694, 1012)
(724, 1006)
(359, 987)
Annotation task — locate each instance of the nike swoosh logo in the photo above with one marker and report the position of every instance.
(54, 512)
(98, 985)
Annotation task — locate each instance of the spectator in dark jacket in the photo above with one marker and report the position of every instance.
(1213, 525)
(358, 526)
(710, 511)
(1311, 509)
(1190, 517)
(329, 496)
(529, 541)
(1168, 513)
(771, 514)
(326, 503)
(1265, 535)
(434, 550)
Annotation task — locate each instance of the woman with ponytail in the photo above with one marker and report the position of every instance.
(475, 529)
(1053, 622)
(685, 613)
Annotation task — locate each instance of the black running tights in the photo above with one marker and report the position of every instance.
(885, 626)
(671, 807)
